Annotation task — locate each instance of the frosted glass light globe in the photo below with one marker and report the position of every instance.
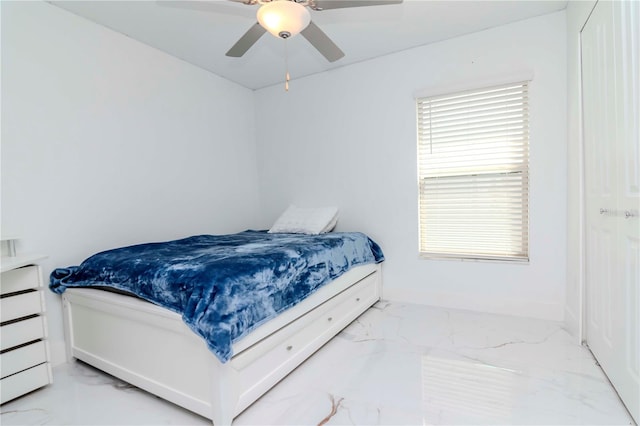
(283, 18)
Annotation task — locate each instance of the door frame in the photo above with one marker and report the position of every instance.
(582, 277)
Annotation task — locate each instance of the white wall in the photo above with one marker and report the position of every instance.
(348, 137)
(577, 14)
(107, 142)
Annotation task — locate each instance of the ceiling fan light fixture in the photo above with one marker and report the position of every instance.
(283, 18)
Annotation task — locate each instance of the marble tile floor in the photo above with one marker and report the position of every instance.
(398, 364)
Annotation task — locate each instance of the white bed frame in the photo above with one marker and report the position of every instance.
(151, 347)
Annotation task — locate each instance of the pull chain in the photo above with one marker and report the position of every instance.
(286, 66)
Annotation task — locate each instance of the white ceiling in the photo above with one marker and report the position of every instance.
(202, 37)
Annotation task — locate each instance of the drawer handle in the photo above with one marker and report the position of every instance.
(330, 319)
(289, 347)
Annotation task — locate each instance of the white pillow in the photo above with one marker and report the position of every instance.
(331, 224)
(301, 220)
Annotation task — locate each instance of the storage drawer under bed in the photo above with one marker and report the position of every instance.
(295, 342)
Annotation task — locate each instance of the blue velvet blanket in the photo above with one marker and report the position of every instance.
(224, 286)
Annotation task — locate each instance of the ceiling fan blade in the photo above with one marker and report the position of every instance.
(246, 41)
(341, 4)
(322, 42)
(207, 6)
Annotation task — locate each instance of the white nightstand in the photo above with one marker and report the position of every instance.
(24, 349)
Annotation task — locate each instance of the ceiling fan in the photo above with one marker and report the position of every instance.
(286, 18)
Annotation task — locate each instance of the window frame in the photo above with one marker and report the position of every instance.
(472, 175)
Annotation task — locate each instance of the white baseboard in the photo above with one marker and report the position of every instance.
(572, 324)
(489, 304)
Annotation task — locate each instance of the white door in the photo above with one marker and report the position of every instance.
(610, 45)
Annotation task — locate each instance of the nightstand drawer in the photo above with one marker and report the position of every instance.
(20, 305)
(21, 332)
(20, 279)
(20, 359)
(25, 381)
(24, 357)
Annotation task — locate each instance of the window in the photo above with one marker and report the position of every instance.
(473, 166)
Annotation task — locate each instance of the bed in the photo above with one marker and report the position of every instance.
(157, 349)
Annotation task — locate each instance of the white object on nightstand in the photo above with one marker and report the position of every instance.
(24, 349)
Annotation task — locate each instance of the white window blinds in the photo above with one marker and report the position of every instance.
(473, 165)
